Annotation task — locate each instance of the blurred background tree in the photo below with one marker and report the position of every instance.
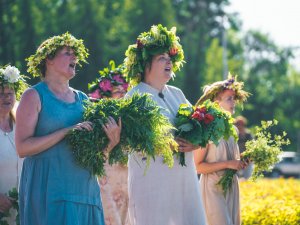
(211, 38)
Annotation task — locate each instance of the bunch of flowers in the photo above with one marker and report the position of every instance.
(13, 194)
(10, 76)
(211, 91)
(158, 40)
(204, 123)
(144, 130)
(109, 77)
(50, 47)
(263, 151)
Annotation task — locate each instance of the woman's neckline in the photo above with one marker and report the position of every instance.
(61, 100)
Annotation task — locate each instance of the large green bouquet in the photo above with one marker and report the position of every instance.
(144, 130)
(204, 123)
(263, 151)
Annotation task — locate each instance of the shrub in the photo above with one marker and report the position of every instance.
(270, 202)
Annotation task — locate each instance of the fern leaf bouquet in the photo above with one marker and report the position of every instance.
(263, 151)
(203, 123)
(144, 130)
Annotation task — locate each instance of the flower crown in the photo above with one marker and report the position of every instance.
(211, 91)
(10, 76)
(50, 47)
(156, 41)
(109, 77)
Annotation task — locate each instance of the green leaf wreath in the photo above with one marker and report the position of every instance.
(144, 130)
(263, 151)
(13, 193)
(204, 123)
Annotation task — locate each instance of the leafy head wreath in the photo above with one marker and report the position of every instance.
(109, 77)
(10, 77)
(158, 40)
(48, 49)
(211, 91)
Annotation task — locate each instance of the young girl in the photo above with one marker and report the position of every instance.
(213, 160)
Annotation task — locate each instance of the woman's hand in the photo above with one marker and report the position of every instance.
(86, 125)
(236, 164)
(113, 132)
(5, 203)
(185, 146)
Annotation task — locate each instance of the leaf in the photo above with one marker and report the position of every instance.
(185, 127)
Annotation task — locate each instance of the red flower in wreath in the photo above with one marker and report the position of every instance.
(208, 118)
(173, 51)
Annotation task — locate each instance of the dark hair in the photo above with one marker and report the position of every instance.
(42, 65)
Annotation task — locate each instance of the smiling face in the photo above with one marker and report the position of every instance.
(64, 62)
(226, 100)
(7, 100)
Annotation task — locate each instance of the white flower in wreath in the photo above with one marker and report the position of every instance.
(11, 74)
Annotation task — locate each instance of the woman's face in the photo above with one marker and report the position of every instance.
(7, 99)
(226, 100)
(161, 68)
(64, 62)
(118, 92)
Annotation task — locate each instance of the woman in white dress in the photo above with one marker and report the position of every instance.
(161, 195)
(213, 160)
(11, 86)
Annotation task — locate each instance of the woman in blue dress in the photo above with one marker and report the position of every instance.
(53, 189)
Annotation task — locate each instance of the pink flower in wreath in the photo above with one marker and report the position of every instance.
(96, 94)
(118, 78)
(105, 85)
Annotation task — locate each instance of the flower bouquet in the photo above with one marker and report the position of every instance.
(13, 194)
(144, 130)
(204, 123)
(263, 151)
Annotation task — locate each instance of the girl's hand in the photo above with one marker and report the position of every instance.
(113, 132)
(185, 146)
(236, 164)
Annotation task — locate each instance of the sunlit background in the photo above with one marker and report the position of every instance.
(258, 40)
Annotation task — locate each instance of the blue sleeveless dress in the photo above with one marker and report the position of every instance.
(53, 189)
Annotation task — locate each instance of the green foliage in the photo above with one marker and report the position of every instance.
(144, 130)
(50, 46)
(204, 123)
(13, 193)
(157, 40)
(269, 79)
(263, 151)
(113, 25)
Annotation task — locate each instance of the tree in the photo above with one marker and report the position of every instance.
(199, 21)
(268, 79)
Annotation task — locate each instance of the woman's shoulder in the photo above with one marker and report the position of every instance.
(174, 90)
(81, 94)
(138, 88)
